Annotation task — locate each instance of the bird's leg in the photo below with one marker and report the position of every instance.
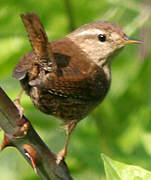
(62, 154)
(18, 105)
(23, 125)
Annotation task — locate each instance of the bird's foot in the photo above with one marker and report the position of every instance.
(19, 107)
(61, 156)
(22, 125)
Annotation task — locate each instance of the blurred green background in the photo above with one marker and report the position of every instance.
(121, 126)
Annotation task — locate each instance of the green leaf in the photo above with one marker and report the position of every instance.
(115, 170)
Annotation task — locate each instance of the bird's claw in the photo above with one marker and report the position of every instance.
(19, 107)
(61, 156)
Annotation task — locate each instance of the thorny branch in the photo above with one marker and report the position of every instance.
(30, 145)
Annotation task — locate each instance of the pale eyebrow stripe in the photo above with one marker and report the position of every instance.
(90, 32)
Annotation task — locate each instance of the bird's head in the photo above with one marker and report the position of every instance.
(100, 40)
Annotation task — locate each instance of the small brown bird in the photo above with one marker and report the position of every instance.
(69, 77)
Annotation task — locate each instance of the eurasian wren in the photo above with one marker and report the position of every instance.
(69, 77)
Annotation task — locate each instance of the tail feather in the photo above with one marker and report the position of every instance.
(39, 42)
(36, 33)
(38, 37)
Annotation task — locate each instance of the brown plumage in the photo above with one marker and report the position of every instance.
(61, 77)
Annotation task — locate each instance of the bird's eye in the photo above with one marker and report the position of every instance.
(102, 37)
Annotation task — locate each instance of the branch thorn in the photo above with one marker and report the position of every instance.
(6, 142)
(33, 155)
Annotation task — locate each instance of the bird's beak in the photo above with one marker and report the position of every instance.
(128, 40)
